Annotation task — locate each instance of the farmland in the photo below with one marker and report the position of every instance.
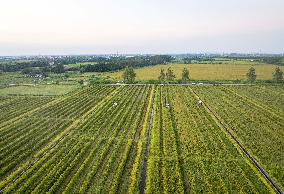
(231, 70)
(43, 90)
(142, 139)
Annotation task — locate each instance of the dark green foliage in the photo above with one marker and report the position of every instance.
(59, 68)
(170, 74)
(118, 63)
(162, 75)
(12, 66)
(278, 74)
(129, 75)
(251, 75)
(185, 75)
(33, 72)
(274, 60)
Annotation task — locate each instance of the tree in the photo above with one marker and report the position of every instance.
(251, 75)
(170, 74)
(278, 74)
(129, 75)
(185, 75)
(162, 75)
(59, 68)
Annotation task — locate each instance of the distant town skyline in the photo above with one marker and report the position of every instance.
(62, 27)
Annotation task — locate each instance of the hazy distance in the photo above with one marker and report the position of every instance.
(33, 27)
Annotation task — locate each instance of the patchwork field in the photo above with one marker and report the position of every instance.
(230, 71)
(143, 139)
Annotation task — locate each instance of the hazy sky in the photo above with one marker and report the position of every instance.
(140, 26)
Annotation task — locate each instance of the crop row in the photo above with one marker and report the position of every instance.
(95, 140)
(260, 131)
(19, 105)
(191, 153)
(266, 96)
(98, 148)
(23, 138)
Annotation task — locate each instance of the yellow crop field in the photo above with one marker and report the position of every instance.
(229, 71)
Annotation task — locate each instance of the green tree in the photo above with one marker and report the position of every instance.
(278, 74)
(59, 68)
(129, 75)
(185, 75)
(162, 75)
(251, 75)
(170, 74)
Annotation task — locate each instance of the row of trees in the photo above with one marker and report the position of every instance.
(115, 64)
(170, 76)
(12, 66)
(43, 71)
(129, 75)
(277, 75)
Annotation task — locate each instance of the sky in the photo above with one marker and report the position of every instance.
(43, 27)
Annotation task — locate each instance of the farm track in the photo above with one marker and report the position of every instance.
(257, 165)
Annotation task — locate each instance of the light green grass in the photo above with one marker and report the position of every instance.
(37, 90)
(14, 78)
(81, 64)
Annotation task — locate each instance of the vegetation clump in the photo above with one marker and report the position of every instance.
(251, 75)
(278, 75)
(129, 75)
(185, 75)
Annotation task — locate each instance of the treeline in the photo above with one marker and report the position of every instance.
(65, 60)
(12, 66)
(273, 60)
(115, 64)
(43, 71)
(189, 60)
(102, 64)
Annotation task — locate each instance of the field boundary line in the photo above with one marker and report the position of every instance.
(149, 133)
(242, 148)
(45, 150)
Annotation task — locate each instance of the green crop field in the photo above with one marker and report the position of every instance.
(228, 71)
(142, 139)
(37, 90)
